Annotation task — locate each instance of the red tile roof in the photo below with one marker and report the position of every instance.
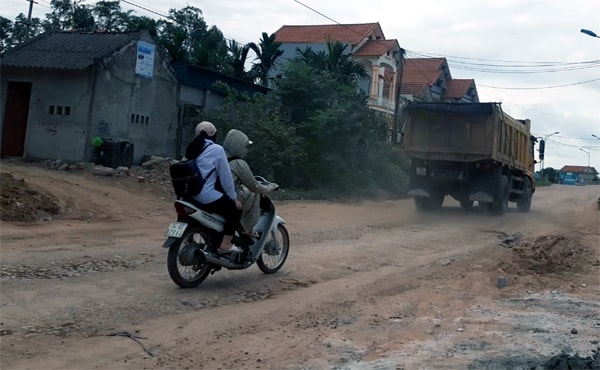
(412, 88)
(345, 33)
(375, 48)
(578, 169)
(458, 88)
(419, 73)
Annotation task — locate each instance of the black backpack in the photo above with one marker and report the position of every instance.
(186, 178)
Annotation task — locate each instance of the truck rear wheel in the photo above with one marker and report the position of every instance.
(524, 201)
(431, 203)
(500, 203)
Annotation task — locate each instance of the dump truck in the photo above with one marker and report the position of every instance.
(473, 152)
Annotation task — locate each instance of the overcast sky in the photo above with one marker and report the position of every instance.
(490, 33)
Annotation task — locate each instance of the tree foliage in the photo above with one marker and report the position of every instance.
(183, 33)
(336, 60)
(267, 51)
(314, 132)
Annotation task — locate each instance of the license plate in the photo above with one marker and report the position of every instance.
(176, 229)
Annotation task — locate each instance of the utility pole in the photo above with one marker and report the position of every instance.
(397, 100)
(29, 18)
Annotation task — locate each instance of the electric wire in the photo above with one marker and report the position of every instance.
(575, 65)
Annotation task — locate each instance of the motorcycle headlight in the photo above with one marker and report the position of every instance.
(421, 171)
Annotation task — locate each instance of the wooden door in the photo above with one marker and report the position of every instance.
(15, 118)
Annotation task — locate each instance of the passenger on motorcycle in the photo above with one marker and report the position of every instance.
(214, 167)
(247, 187)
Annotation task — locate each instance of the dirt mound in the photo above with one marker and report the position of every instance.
(551, 253)
(565, 361)
(21, 202)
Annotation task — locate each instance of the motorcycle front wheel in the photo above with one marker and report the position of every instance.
(185, 269)
(274, 254)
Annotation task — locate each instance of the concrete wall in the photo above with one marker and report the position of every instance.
(60, 133)
(131, 108)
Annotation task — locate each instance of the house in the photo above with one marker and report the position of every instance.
(429, 79)
(199, 91)
(573, 175)
(382, 58)
(62, 89)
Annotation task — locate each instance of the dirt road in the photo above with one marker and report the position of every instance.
(367, 285)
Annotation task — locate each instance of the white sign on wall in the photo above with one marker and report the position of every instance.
(144, 64)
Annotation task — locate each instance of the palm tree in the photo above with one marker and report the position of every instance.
(267, 51)
(238, 56)
(335, 60)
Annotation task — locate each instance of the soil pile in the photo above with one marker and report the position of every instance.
(551, 254)
(22, 203)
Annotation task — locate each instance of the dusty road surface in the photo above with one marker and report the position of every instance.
(367, 285)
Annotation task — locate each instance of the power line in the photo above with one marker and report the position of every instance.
(539, 88)
(539, 63)
(594, 63)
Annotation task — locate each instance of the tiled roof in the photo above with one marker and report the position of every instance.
(422, 70)
(375, 48)
(345, 33)
(579, 169)
(66, 50)
(458, 88)
(419, 73)
(412, 88)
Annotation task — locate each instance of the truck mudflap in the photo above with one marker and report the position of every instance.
(481, 196)
(419, 192)
(482, 186)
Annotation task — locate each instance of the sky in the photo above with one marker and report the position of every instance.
(488, 41)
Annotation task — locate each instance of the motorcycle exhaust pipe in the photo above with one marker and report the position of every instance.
(206, 257)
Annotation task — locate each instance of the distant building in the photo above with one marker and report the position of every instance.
(573, 175)
(62, 89)
(429, 79)
(381, 57)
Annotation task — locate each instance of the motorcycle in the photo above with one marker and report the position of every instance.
(194, 238)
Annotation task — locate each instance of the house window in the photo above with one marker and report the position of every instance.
(139, 118)
(59, 110)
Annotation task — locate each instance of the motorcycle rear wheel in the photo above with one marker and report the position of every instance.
(182, 275)
(271, 261)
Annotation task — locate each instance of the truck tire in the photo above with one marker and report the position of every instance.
(500, 203)
(428, 204)
(524, 201)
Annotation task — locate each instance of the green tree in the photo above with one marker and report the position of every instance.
(335, 60)
(110, 17)
(67, 15)
(135, 24)
(275, 154)
(6, 29)
(551, 174)
(267, 51)
(238, 55)
(187, 38)
(14, 33)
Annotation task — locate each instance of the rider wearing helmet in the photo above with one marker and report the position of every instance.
(214, 167)
(247, 187)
